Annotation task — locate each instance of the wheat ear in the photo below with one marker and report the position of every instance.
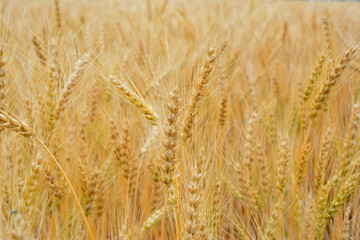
(145, 109)
(206, 70)
(70, 85)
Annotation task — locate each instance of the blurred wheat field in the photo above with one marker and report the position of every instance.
(179, 120)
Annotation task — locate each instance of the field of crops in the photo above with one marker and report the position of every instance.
(184, 120)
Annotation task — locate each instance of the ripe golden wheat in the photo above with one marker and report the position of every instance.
(179, 120)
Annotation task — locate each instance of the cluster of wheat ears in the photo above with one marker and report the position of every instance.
(179, 120)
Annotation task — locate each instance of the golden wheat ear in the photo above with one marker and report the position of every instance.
(169, 158)
(321, 99)
(14, 124)
(206, 69)
(70, 85)
(140, 104)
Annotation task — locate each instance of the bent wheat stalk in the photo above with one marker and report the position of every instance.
(16, 125)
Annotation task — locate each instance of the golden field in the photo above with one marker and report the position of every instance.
(179, 120)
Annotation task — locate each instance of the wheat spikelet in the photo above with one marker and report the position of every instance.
(206, 70)
(51, 98)
(70, 85)
(321, 98)
(283, 165)
(125, 157)
(169, 158)
(53, 192)
(156, 215)
(2, 76)
(263, 170)
(325, 25)
(311, 82)
(157, 191)
(345, 193)
(304, 159)
(94, 103)
(58, 15)
(83, 149)
(271, 127)
(153, 218)
(39, 50)
(193, 228)
(132, 173)
(326, 211)
(252, 92)
(14, 124)
(100, 194)
(84, 174)
(248, 195)
(92, 200)
(350, 137)
(136, 100)
(250, 141)
(223, 111)
(323, 156)
(270, 229)
(321, 203)
(32, 184)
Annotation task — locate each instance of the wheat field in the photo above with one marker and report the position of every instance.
(192, 120)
